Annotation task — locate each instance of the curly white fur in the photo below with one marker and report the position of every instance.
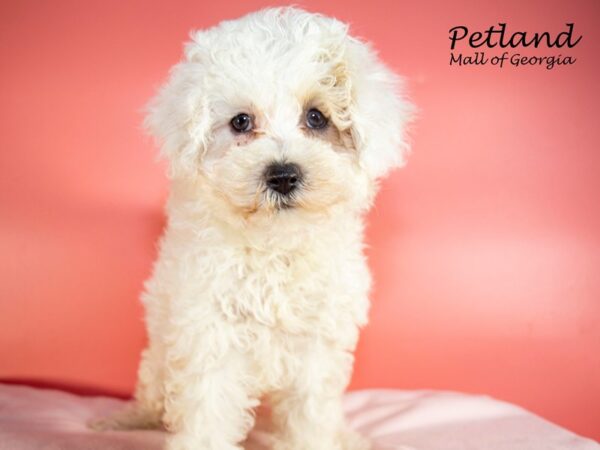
(250, 301)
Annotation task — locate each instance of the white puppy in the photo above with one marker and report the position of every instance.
(277, 127)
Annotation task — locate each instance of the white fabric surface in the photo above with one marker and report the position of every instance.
(43, 419)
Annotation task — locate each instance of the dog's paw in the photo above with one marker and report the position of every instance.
(351, 440)
(130, 418)
(183, 441)
(104, 424)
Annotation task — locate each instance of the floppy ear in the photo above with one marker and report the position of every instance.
(378, 111)
(179, 116)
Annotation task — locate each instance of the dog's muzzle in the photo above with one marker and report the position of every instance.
(283, 178)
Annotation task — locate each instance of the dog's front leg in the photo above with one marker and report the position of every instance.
(309, 414)
(208, 404)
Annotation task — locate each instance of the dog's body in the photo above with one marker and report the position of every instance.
(277, 127)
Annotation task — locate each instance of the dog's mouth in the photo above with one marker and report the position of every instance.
(277, 201)
(271, 202)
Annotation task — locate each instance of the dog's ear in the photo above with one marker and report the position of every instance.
(179, 115)
(379, 112)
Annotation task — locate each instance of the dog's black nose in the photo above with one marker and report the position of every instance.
(283, 178)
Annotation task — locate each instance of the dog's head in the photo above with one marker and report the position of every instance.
(280, 112)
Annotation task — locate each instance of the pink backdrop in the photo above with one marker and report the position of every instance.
(485, 249)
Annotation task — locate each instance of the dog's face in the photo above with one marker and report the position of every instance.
(280, 112)
(276, 140)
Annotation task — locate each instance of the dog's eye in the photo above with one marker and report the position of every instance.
(315, 119)
(242, 123)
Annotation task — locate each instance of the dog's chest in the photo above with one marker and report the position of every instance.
(297, 292)
(277, 289)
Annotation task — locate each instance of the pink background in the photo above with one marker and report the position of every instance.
(485, 249)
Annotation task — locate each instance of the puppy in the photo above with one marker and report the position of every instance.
(277, 127)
